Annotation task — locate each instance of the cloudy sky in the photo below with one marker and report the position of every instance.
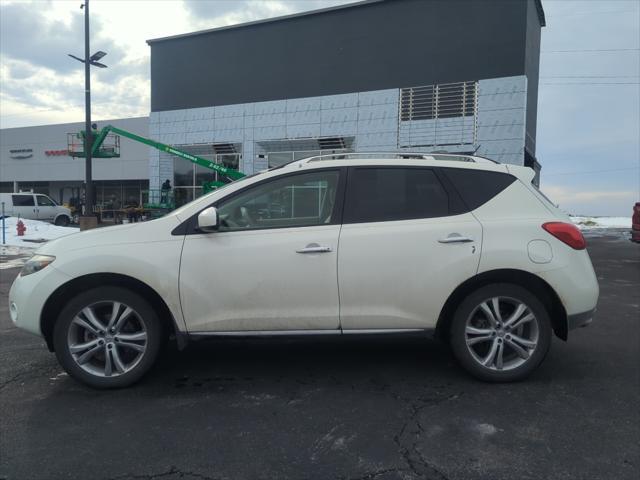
(588, 139)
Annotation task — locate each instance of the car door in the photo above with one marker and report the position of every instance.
(24, 206)
(46, 208)
(272, 264)
(406, 243)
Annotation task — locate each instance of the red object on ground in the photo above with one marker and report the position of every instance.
(635, 223)
(21, 228)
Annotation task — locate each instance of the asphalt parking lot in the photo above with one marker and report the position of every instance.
(337, 408)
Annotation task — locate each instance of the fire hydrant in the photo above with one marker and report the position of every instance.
(21, 228)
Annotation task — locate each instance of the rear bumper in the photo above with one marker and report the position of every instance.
(579, 320)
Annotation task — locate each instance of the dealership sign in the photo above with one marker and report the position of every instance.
(21, 153)
(56, 153)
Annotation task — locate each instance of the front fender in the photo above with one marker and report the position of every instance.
(156, 264)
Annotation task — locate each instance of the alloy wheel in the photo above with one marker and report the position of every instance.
(107, 338)
(502, 333)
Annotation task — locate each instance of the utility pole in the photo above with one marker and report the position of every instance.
(88, 201)
(88, 219)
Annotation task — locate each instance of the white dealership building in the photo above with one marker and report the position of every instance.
(37, 158)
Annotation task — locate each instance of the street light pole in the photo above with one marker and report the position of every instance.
(88, 219)
(88, 203)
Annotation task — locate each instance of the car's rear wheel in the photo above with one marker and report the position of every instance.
(501, 333)
(62, 221)
(107, 337)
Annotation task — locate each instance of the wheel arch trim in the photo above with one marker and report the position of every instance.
(530, 281)
(56, 301)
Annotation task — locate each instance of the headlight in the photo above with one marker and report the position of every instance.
(36, 263)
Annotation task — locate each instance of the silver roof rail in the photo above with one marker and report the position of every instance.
(401, 155)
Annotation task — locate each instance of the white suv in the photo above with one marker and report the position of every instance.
(457, 246)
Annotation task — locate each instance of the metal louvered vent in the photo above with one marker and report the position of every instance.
(446, 100)
(331, 143)
(225, 148)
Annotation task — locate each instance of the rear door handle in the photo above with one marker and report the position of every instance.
(455, 238)
(314, 248)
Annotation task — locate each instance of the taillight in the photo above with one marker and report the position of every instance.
(567, 233)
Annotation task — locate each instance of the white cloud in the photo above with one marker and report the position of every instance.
(40, 84)
(592, 202)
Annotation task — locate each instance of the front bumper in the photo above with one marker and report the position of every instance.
(29, 294)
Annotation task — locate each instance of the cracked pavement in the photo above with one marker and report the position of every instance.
(352, 409)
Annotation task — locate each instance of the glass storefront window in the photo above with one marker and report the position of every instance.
(307, 154)
(203, 175)
(277, 159)
(182, 173)
(230, 160)
(182, 195)
(187, 174)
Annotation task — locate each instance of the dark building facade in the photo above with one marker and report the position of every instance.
(383, 75)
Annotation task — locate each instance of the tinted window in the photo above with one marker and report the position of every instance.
(477, 187)
(44, 201)
(23, 200)
(385, 194)
(293, 201)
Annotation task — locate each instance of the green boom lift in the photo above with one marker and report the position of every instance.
(106, 144)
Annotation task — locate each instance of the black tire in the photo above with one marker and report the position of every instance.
(62, 221)
(143, 315)
(471, 305)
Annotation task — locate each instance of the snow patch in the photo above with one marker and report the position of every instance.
(38, 232)
(485, 429)
(588, 223)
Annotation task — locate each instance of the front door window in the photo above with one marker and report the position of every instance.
(293, 201)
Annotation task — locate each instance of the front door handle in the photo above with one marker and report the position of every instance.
(314, 248)
(455, 238)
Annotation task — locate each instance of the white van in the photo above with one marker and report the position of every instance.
(35, 206)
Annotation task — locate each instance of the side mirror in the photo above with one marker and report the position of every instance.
(208, 220)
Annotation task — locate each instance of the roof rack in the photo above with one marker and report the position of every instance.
(401, 155)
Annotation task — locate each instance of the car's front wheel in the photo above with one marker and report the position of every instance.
(107, 337)
(501, 333)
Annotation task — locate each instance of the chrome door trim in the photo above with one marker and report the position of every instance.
(263, 333)
(376, 331)
(281, 333)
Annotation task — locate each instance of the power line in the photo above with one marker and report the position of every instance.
(590, 13)
(593, 50)
(590, 83)
(590, 76)
(591, 171)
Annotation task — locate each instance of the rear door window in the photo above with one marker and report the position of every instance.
(386, 194)
(477, 187)
(23, 200)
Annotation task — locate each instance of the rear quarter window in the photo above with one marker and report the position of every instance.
(22, 200)
(477, 187)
